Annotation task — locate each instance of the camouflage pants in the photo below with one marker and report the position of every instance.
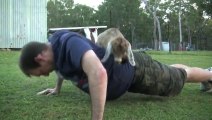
(155, 78)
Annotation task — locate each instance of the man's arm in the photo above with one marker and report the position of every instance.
(56, 90)
(97, 79)
(59, 82)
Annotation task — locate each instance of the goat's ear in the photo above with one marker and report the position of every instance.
(107, 52)
(131, 56)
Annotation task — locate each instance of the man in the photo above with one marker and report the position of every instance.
(76, 58)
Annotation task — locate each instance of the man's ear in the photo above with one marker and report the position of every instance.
(39, 58)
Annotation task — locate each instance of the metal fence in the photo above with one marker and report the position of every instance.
(22, 21)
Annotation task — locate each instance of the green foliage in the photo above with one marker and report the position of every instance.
(58, 12)
(82, 16)
(204, 5)
(123, 14)
(136, 23)
(64, 13)
(18, 99)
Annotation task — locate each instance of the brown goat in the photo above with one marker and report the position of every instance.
(115, 43)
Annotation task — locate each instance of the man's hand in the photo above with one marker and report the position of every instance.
(56, 90)
(49, 91)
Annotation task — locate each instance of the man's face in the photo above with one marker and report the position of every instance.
(46, 62)
(43, 70)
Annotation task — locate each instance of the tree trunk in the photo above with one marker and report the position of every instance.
(157, 42)
(189, 35)
(155, 35)
(180, 28)
(159, 35)
(158, 26)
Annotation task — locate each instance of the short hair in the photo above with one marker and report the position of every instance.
(28, 53)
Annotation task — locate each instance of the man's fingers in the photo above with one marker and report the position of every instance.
(47, 92)
(44, 92)
(50, 93)
(209, 91)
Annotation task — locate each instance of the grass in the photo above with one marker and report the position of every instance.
(18, 99)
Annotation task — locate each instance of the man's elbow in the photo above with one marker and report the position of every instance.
(102, 74)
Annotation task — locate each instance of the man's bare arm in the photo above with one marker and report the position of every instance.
(56, 90)
(59, 82)
(97, 78)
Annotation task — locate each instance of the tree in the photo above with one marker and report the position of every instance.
(123, 14)
(139, 25)
(82, 16)
(64, 13)
(204, 5)
(58, 12)
(152, 7)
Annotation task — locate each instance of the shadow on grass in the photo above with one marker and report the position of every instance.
(136, 97)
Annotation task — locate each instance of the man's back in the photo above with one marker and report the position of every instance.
(68, 50)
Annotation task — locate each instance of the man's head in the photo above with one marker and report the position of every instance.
(36, 59)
